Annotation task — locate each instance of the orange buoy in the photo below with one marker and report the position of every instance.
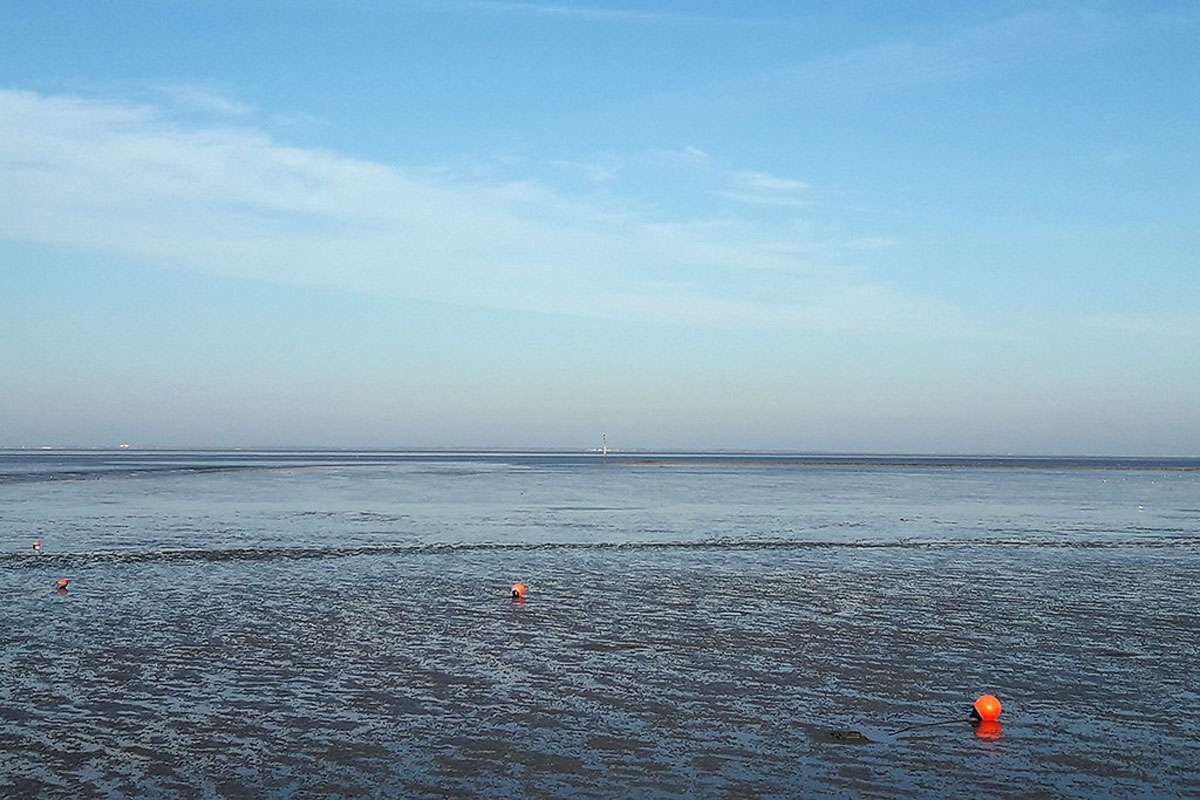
(61, 584)
(986, 709)
(989, 731)
(518, 591)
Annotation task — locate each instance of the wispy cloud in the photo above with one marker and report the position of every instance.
(686, 156)
(922, 59)
(1176, 326)
(595, 171)
(765, 189)
(870, 243)
(203, 99)
(766, 182)
(1114, 157)
(587, 13)
(130, 180)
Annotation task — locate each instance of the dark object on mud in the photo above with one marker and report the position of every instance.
(849, 737)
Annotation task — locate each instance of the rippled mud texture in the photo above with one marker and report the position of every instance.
(705, 671)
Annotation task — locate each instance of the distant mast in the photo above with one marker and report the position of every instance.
(604, 444)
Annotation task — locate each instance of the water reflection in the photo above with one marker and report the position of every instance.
(989, 731)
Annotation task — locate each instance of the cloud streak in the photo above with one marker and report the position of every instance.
(587, 13)
(765, 189)
(935, 58)
(127, 179)
(202, 99)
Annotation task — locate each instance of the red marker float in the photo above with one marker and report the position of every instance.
(518, 591)
(61, 585)
(986, 709)
(984, 716)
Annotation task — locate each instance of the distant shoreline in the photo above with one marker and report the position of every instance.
(81, 463)
(671, 453)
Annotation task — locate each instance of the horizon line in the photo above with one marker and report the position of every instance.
(618, 452)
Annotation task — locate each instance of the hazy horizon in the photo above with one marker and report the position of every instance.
(865, 229)
(579, 450)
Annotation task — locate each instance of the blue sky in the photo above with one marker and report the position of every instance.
(882, 227)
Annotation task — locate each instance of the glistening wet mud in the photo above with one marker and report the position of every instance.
(698, 672)
(295, 628)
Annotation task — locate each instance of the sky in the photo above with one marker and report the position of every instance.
(877, 227)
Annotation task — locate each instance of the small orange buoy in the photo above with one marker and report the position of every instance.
(518, 591)
(986, 709)
(61, 584)
(988, 731)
